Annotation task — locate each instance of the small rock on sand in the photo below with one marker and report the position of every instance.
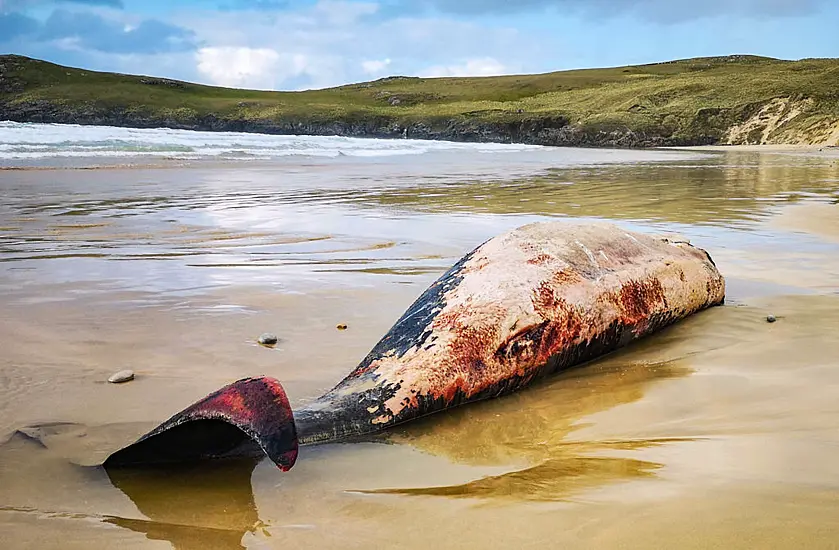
(268, 339)
(771, 318)
(341, 326)
(121, 376)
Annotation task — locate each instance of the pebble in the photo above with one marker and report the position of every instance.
(771, 318)
(341, 326)
(268, 339)
(121, 376)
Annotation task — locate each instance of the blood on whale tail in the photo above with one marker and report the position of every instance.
(250, 416)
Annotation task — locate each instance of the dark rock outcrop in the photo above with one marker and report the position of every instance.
(536, 130)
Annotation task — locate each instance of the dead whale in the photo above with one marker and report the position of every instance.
(523, 305)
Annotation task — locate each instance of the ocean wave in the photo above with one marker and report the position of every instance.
(33, 141)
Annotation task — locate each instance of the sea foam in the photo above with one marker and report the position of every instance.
(34, 141)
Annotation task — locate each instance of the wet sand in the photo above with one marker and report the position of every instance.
(823, 151)
(719, 432)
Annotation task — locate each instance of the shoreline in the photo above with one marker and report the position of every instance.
(260, 150)
(824, 151)
(47, 164)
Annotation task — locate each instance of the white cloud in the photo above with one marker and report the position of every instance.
(375, 66)
(482, 66)
(334, 43)
(241, 67)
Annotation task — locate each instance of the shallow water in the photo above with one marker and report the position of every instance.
(720, 432)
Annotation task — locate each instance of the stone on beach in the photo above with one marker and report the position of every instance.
(268, 339)
(121, 376)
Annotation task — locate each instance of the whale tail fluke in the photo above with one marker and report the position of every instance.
(248, 417)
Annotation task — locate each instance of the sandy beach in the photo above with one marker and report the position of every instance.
(719, 432)
(826, 151)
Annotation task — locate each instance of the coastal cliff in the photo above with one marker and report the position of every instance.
(704, 101)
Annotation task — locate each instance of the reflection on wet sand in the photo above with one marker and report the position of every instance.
(193, 508)
(732, 189)
(208, 507)
(533, 426)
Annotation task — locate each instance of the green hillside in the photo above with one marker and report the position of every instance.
(734, 99)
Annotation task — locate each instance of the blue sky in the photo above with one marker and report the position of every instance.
(299, 44)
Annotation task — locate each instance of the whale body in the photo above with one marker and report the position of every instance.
(523, 305)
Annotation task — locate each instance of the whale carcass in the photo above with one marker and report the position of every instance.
(528, 303)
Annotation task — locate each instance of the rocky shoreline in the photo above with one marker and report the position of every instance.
(549, 131)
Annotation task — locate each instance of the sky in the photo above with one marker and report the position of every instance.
(303, 44)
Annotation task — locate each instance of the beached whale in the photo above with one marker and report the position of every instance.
(528, 303)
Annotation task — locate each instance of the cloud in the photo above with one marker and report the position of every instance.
(484, 66)
(654, 10)
(325, 44)
(375, 66)
(243, 67)
(89, 31)
(265, 68)
(333, 43)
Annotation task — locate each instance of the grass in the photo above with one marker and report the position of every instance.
(687, 101)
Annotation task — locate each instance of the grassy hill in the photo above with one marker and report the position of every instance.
(733, 99)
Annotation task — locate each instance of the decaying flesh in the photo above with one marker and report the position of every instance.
(528, 303)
